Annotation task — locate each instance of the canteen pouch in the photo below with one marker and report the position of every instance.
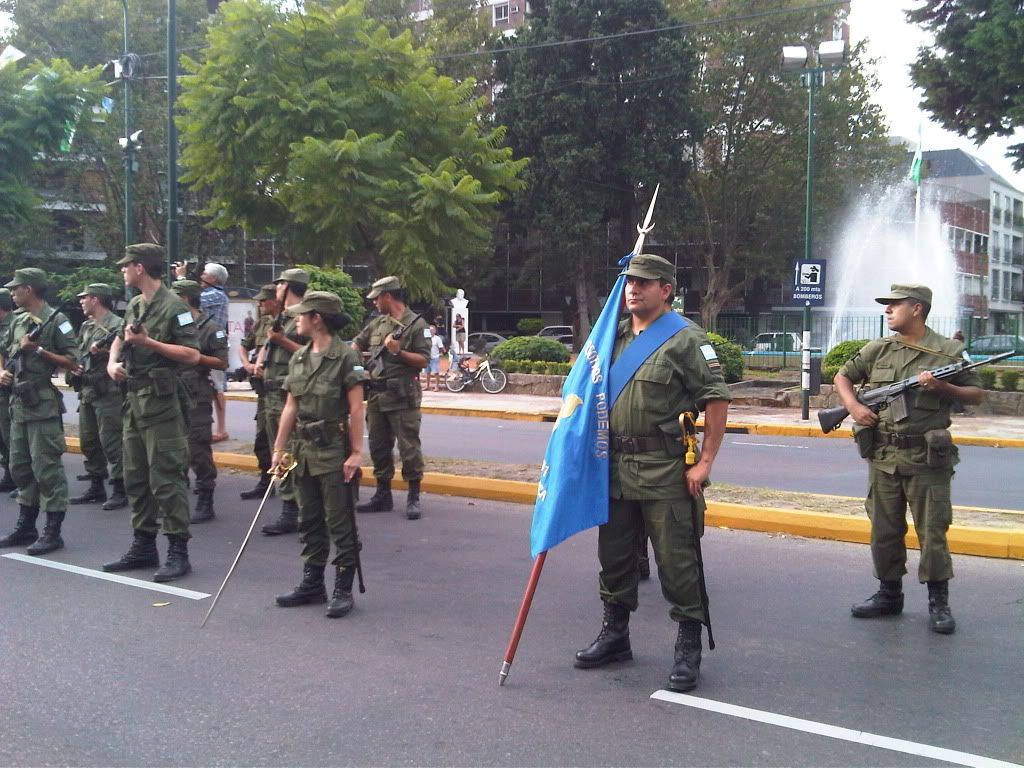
(864, 437)
(27, 392)
(162, 381)
(939, 444)
(397, 387)
(672, 437)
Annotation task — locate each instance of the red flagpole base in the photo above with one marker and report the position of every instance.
(524, 610)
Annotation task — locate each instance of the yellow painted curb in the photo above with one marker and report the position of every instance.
(481, 413)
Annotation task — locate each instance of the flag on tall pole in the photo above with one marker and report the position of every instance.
(572, 493)
(915, 165)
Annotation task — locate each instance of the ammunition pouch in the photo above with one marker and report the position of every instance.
(321, 433)
(864, 437)
(398, 386)
(27, 392)
(258, 386)
(73, 381)
(100, 385)
(375, 385)
(940, 450)
(164, 382)
(672, 437)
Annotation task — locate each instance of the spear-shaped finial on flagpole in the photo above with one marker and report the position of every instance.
(648, 225)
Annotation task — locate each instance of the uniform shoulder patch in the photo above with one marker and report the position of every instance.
(220, 334)
(65, 327)
(185, 318)
(708, 351)
(427, 334)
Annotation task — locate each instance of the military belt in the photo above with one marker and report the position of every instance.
(636, 444)
(135, 383)
(270, 385)
(901, 440)
(321, 430)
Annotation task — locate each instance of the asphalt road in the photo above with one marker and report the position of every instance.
(98, 673)
(804, 464)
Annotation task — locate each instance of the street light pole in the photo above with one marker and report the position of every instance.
(172, 138)
(129, 161)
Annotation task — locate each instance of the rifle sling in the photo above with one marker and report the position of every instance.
(919, 348)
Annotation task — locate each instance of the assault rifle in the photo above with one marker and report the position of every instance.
(375, 366)
(895, 395)
(33, 335)
(127, 352)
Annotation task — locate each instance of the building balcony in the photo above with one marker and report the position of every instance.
(997, 215)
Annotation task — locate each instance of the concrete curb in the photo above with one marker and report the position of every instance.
(984, 542)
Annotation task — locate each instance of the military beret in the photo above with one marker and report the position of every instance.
(650, 267)
(268, 291)
(293, 275)
(29, 276)
(385, 284)
(96, 289)
(187, 288)
(146, 254)
(899, 292)
(324, 302)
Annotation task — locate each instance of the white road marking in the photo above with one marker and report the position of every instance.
(126, 580)
(772, 445)
(834, 732)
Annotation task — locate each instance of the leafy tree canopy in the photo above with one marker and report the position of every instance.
(340, 283)
(972, 76)
(68, 286)
(322, 121)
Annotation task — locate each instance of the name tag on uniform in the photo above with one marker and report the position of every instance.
(185, 318)
(65, 327)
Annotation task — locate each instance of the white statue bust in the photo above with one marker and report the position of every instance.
(459, 321)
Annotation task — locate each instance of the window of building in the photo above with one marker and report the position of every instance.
(996, 284)
(501, 14)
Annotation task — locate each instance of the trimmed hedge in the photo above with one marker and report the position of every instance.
(729, 355)
(531, 348)
(529, 326)
(837, 356)
(1009, 379)
(536, 366)
(988, 377)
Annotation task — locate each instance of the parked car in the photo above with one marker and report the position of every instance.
(994, 345)
(483, 341)
(777, 341)
(562, 333)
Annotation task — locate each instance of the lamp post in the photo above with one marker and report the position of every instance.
(129, 160)
(172, 137)
(812, 66)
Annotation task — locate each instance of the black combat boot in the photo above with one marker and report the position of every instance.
(686, 669)
(204, 507)
(24, 530)
(141, 554)
(310, 590)
(7, 483)
(341, 601)
(612, 644)
(259, 490)
(95, 492)
(118, 498)
(84, 477)
(50, 540)
(887, 601)
(412, 501)
(288, 522)
(176, 565)
(939, 616)
(380, 501)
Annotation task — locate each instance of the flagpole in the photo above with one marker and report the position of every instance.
(524, 610)
(916, 174)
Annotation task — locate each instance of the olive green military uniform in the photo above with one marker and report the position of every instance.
(647, 487)
(898, 468)
(5, 399)
(393, 410)
(212, 342)
(37, 429)
(320, 444)
(275, 369)
(253, 342)
(155, 428)
(100, 402)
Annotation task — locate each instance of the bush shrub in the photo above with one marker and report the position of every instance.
(988, 377)
(730, 356)
(837, 356)
(531, 348)
(529, 326)
(1009, 379)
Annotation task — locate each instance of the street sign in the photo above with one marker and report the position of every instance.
(809, 282)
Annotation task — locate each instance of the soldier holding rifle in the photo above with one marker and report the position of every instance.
(6, 318)
(909, 450)
(399, 344)
(99, 398)
(159, 337)
(323, 418)
(249, 352)
(39, 341)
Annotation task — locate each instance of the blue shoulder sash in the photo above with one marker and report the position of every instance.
(629, 362)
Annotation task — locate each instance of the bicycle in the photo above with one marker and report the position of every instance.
(493, 380)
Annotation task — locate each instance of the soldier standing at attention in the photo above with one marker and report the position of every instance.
(283, 340)
(213, 356)
(393, 404)
(6, 318)
(99, 399)
(37, 430)
(911, 459)
(248, 352)
(159, 338)
(323, 416)
(651, 487)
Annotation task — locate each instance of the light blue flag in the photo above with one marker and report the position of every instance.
(572, 494)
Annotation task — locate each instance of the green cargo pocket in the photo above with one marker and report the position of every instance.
(940, 507)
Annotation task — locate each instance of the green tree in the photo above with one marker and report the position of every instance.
(324, 124)
(69, 285)
(601, 122)
(972, 74)
(340, 283)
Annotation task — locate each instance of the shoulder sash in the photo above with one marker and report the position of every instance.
(645, 345)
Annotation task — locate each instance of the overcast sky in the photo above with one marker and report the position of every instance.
(894, 42)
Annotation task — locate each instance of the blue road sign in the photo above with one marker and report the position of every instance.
(809, 282)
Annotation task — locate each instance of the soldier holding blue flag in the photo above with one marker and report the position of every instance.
(662, 366)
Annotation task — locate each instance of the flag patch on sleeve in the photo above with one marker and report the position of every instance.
(709, 352)
(427, 334)
(185, 318)
(65, 327)
(220, 334)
